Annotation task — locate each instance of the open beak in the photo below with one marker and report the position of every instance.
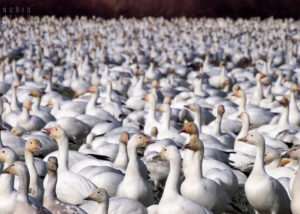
(47, 130)
(149, 140)
(87, 198)
(2, 128)
(186, 146)
(38, 147)
(182, 130)
(188, 106)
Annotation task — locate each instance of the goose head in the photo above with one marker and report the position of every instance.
(149, 97)
(295, 87)
(27, 105)
(155, 84)
(190, 128)
(195, 144)
(163, 107)
(56, 132)
(294, 152)
(284, 102)
(18, 131)
(124, 137)
(237, 92)
(259, 76)
(92, 89)
(52, 164)
(35, 93)
(33, 145)
(253, 138)
(221, 110)
(167, 100)
(154, 132)
(16, 84)
(15, 168)
(99, 195)
(139, 140)
(168, 153)
(7, 155)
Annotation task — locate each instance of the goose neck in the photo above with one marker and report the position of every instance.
(245, 127)
(132, 168)
(63, 154)
(122, 157)
(197, 164)
(151, 113)
(171, 187)
(36, 104)
(198, 120)
(49, 84)
(103, 207)
(165, 119)
(242, 106)
(217, 126)
(31, 168)
(292, 105)
(92, 102)
(22, 194)
(50, 185)
(284, 118)
(14, 101)
(259, 160)
(6, 181)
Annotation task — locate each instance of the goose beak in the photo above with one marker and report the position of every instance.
(149, 140)
(182, 130)
(38, 147)
(187, 106)
(2, 128)
(46, 130)
(87, 198)
(243, 139)
(186, 146)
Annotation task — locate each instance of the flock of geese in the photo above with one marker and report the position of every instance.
(98, 115)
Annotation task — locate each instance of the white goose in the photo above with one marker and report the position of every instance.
(134, 184)
(263, 192)
(201, 189)
(102, 204)
(50, 200)
(171, 200)
(71, 188)
(294, 153)
(22, 204)
(36, 184)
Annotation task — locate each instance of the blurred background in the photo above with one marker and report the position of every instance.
(141, 8)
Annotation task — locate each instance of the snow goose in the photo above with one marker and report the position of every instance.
(134, 184)
(29, 122)
(36, 184)
(294, 116)
(258, 93)
(121, 160)
(50, 200)
(71, 187)
(294, 153)
(36, 110)
(117, 205)
(171, 200)
(150, 118)
(200, 189)
(263, 192)
(22, 205)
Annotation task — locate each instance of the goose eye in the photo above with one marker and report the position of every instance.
(55, 129)
(140, 137)
(30, 142)
(98, 192)
(165, 149)
(3, 151)
(13, 164)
